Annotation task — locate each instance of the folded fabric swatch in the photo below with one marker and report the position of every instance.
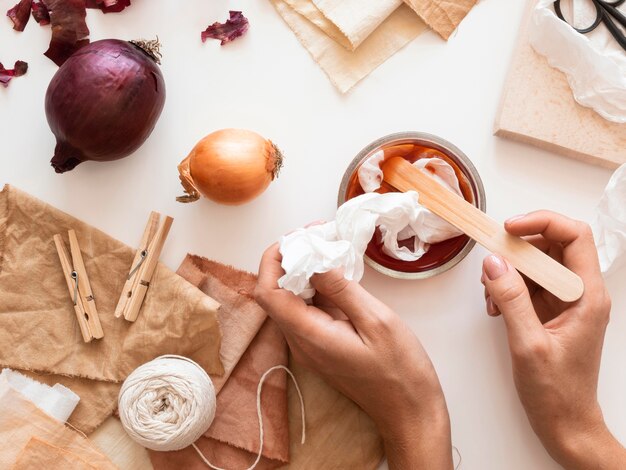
(232, 440)
(40, 454)
(57, 401)
(251, 344)
(351, 38)
(353, 20)
(21, 421)
(443, 16)
(38, 327)
(349, 57)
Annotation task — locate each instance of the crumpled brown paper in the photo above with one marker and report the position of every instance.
(251, 344)
(339, 434)
(443, 16)
(38, 327)
(21, 420)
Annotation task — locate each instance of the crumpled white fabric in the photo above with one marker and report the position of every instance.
(342, 243)
(594, 63)
(57, 401)
(609, 226)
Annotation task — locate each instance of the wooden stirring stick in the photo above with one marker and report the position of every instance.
(455, 210)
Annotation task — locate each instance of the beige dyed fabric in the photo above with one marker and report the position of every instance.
(374, 39)
(443, 16)
(21, 421)
(38, 327)
(354, 19)
(351, 38)
(339, 435)
(39, 454)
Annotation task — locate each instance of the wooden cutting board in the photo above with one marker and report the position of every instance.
(538, 108)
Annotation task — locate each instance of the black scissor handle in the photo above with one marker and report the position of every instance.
(594, 25)
(605, 11)
(610, 11)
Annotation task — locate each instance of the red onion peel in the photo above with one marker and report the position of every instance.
(20, 14)
(20, 68)
(237, 25)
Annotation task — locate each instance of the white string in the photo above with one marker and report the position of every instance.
(458, 465)
(260, 417)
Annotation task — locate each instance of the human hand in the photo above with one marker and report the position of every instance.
(363, 349)
(555, 346)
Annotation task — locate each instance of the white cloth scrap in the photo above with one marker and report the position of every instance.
(342, 243)
(609, 226)
(57, 401)
(594, 63)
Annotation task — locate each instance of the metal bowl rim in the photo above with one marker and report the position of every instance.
(453, 152)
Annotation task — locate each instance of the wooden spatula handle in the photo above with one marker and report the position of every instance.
(534, 263)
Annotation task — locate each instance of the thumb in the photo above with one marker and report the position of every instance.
(363, 309)
(509, 292)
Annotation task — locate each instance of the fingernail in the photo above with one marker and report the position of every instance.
(492, 310)
(495, 267)
(515, 219)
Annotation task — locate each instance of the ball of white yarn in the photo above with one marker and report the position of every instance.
(167, 404)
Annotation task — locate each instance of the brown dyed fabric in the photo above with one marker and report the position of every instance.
(240, 317)
(232, 441)
(443, 16)
(38, 327)
(21, 421)
(251, 344)
(40, 454)
(339, 434)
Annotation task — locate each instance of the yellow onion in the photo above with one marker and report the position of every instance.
(229, 166)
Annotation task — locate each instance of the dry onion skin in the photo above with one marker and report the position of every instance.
(229, 166)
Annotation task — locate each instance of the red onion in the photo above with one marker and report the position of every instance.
(104, 101)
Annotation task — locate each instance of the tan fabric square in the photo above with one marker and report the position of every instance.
(21, 420)
(40, 454)
(442, 15)
(331, 48)
(38, 327)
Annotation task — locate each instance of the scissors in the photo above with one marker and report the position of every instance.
(606, 10)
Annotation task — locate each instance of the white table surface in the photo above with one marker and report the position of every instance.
(266, 81)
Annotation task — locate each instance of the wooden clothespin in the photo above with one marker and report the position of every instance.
(80, 290)
(143, 267)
